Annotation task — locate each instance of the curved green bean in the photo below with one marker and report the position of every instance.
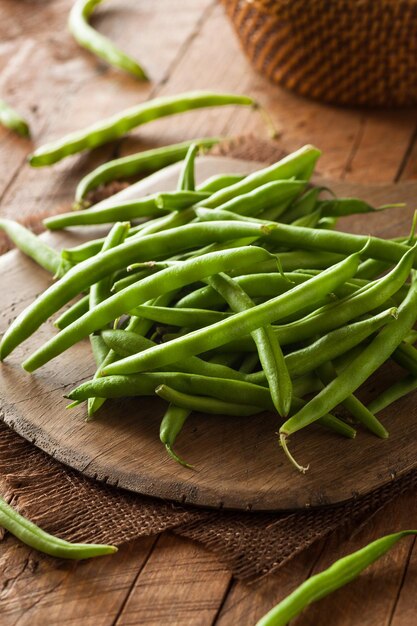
(393, 393)
(33, 246)
(171, 425)
(204, 405)
(139, 163)
(337, 575)
(186, 181)
(96, 43)
(36, 538)
(119, 124)
(73, 313)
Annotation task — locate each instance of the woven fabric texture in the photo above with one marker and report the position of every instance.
(355, 52)
(252, 545)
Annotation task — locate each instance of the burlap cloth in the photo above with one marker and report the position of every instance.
(76, 508)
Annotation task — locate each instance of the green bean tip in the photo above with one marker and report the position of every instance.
(177, 458)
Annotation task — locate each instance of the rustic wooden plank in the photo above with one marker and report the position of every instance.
(381, 143)
(181, 585)
(38, 590)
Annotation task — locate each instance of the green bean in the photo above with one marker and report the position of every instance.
(33, 246)
(136, 164)
(92, 270)
(396, 391)
(73, 313)
(304, 205)
(219, 181)
(240, 324)
(339, 207)
(372, 357)
(335, 343)
(118, 125)
(406, 356)
(86, 250)
(186, 181)
(170, 279)
(301, 259)
(249, 363)
(99, 292)
(308, 221)
(235, 391)
(299, 164)
(255, 285)
(9, 118)
(171, 425)
(203, 404)
(149, 206)
(268, 348)
(191, 318)
(327, 373)
(336, 241)
(337, 575)
(36, 538)
(96, 43)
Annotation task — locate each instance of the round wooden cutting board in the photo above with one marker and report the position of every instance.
(238, 462)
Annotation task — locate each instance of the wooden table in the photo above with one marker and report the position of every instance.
(186, 44)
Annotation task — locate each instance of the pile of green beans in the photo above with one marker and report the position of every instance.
(232, 297)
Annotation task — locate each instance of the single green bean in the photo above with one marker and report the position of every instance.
(337, 575)
(92, 270)
(393, 393)
(149, 206)
(190, 318)
(73, 313)
(9, 118)
(36, 538)
(268, 348)
(33, 246)
(118, 125)
(203, 404)
(137, 164)
(304, 205)
(96, 43)
(170, 279)
(186, 181)
(339, 207)
(406, 356)
(219, 181)
(327, 373)
(240, 324)
(171, 425)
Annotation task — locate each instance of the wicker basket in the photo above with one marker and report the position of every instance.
(351, 52)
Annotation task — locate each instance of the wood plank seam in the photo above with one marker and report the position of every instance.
(406, 566)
